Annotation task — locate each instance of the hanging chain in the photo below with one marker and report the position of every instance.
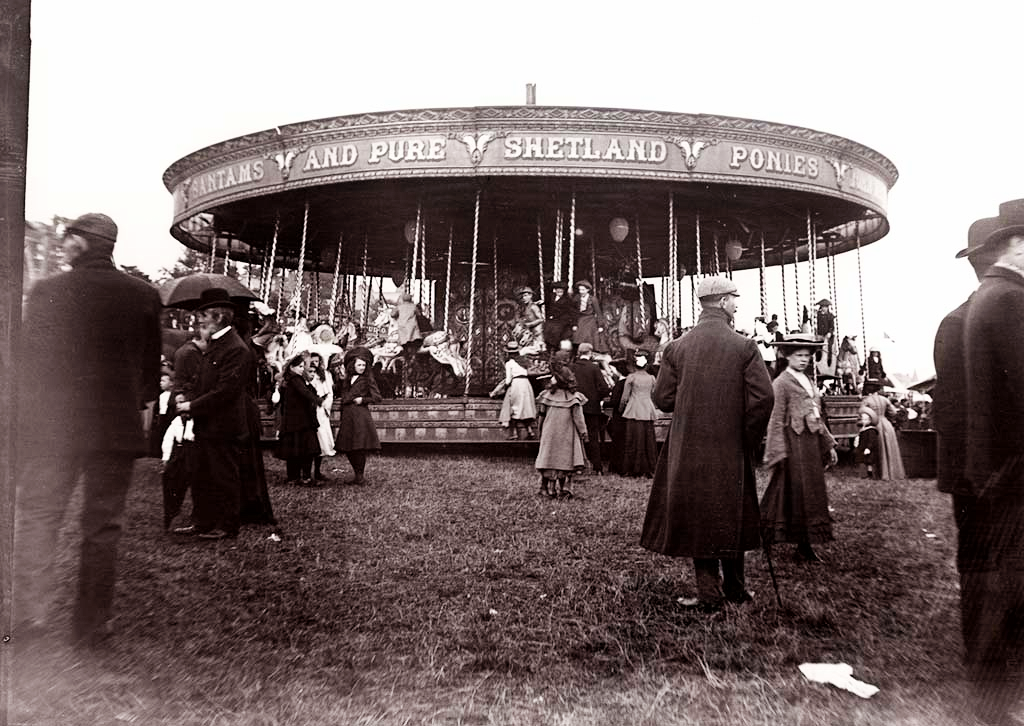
(860, 290)
(812, 268)
(785, 299)
(796, 282)
(830, 268)
(472, 293)
(423, 260)
(718, 263)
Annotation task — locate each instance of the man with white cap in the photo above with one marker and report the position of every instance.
(703, 503)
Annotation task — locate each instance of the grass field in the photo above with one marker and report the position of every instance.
(448, 592)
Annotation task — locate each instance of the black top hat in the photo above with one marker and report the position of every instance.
(214, 297)
(978, 234)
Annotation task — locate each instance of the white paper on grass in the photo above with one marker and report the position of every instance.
(839, 675)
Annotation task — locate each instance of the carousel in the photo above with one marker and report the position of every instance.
(479, 218)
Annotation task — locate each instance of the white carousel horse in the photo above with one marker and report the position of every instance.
(848, 365)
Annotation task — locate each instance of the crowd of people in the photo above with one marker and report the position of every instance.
(733, 407)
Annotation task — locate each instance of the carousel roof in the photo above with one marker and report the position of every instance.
(353, 183)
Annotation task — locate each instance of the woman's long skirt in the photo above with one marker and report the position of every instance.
(640, 452)
(794, 507)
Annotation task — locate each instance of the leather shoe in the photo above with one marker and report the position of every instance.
(190, 530)
(213, 534)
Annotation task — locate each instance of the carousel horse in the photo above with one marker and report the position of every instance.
(436, 366)
(848, 365)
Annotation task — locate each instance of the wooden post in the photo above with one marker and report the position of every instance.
(15, 52)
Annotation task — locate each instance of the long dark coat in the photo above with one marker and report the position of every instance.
(357, 432)
(994, 345)
(559, 318)
(703, 502)
(949, 402)
(90, 360)
(219, 406)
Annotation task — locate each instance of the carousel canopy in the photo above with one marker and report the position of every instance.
(351, 184)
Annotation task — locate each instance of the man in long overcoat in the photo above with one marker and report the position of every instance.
(703, 502)
(221, 420)
(90, 361)
(994, 355)
(949, 414)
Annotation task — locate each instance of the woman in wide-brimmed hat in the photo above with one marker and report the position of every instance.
(794, 507)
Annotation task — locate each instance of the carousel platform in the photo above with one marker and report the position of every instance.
(433, 421)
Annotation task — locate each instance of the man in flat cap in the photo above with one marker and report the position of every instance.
(90, 361)
(703, 503)
(989, 495)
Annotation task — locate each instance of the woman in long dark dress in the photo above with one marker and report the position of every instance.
(357, 434)
(795, 505)
(297, 443)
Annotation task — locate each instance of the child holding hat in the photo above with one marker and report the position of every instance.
(794, 507)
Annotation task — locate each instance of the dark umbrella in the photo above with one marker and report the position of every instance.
(184, 292)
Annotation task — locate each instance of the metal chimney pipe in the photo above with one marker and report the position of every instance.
(531, 94)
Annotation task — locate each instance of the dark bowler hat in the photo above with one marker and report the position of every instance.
(559, 285)
(214, 297)
(795, 341)
(1011, 221)
(94, 226)
(977, 235)
(362, 353)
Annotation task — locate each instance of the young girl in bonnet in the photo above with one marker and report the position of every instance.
(795, 504)
(563, 430)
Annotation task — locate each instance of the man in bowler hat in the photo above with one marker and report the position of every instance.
(90, 361)
(990, 519)
(703, 502)
(218, 410)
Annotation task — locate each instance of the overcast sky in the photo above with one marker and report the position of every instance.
(120, 89)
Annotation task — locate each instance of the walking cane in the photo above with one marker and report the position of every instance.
(771, 571)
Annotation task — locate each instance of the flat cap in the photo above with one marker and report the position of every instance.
(712, 286)
(95, 226)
